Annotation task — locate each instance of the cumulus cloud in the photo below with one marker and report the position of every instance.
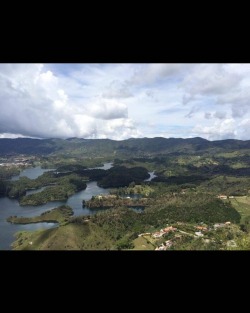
(219, 130)
(209, 79)
(35, 102)
(119, 129)
(119, 101)
(107, 109)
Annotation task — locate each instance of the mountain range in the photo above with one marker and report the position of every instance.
(139, 147)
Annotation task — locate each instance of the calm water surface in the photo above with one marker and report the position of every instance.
(32, 172)
(10, 207)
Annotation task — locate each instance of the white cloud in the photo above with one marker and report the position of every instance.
(145, 74)
(208, 115)
(118, 129)
(219, 130)
(209, 79)
(243, 129)
(8, 135)
(220, 115)
(36, 102)
(119, 101)
(117, 90)
(107, 109)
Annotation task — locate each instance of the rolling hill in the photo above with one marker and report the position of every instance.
(106, 147)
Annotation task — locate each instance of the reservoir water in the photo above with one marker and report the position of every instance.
(10, 207)
(152, 175)
(32, 172)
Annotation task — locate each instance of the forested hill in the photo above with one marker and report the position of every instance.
(140, 147)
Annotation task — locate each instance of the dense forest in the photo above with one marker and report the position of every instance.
(140, 147)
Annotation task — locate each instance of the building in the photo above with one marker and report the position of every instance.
(222, 197)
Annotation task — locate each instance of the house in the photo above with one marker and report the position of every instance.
(199, 234)
(160, 248)
(158, 234)
(222, 197)
(144, 234)
(169, 229)
(219, 225)
(201, 228)
(168, 243)
(231, 243)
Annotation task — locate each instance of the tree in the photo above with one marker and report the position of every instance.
(2, 188)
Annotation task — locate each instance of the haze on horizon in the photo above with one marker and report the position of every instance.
(120, 101)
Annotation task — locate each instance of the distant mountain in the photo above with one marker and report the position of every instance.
(135, 147)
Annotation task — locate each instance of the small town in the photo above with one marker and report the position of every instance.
(177, 233)
(17, 161)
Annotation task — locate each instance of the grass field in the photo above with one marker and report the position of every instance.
(242, 205)
(142, 243)
(68, 237)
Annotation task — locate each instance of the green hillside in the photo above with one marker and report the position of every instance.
(198, 182)
(107, 147)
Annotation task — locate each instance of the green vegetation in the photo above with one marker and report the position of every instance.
(191, 175)
(57, 215)
(142, 243)
(69, 162)
(228, 185)
(67, 180)
(59, 187)
(242, 205)
(191, 208)
(49, 194)
(120, 176)
(66, 186)
(8, 172)
(110, 201)
(76, 235)
(133, 189)
(139, 148)
(16, 189)
(118, 228)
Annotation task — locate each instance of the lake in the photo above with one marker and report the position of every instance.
(152, 175)
(32, 172)
(10, 207)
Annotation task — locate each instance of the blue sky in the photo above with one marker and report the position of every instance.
(120, 101)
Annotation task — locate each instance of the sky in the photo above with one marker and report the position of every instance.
(121, 101)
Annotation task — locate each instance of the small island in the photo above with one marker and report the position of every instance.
(55, 193)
